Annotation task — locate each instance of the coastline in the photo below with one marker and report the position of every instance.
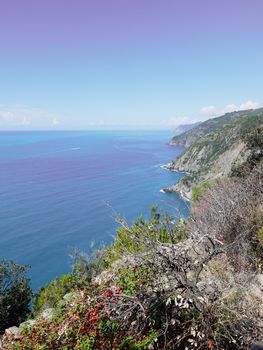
(175, 188)
(169, 167)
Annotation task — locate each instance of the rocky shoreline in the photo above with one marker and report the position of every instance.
(184, 192)
(212, 150)
(185, 195)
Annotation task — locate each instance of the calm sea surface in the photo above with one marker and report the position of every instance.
(55, 188)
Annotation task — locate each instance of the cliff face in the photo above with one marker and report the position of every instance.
(213, 147)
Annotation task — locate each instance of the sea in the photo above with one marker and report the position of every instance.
(61, 191)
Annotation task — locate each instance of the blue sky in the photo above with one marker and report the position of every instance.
(127, 64)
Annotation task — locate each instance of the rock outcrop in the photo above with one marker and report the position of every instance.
(212, 148)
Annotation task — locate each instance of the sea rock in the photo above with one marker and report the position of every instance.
(184, 191)
(169, 167)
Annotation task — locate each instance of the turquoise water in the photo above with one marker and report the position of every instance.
(56, 190)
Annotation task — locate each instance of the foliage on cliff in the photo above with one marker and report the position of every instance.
(239, 123)
(254, 142)
(218, 147)
(163, 284)
(15, 294)
(166, 283)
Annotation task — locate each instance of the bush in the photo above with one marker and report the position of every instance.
(52, 293)
(15, 294)
(176, 285)
(254, 142)
(231, 213)
(83, 271)
(198, 191)
(161, 226)
(260, 236)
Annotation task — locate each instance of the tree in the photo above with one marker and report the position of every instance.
(15, 294)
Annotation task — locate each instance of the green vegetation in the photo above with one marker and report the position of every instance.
(254, 142)
(51, 294)
(198, 191)
(164, 283)
(161, 226)
(152, 292)
(260, 236)
(15, 294)
(236, 123)
(132, 279)
(215, 145)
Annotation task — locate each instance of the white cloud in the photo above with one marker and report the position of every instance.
(55, 121)
(213, 111)
(208, 111)
(229, 108)
(19, 116)
(25, 121)
(177, 121)
(6, 115)
(250, 105)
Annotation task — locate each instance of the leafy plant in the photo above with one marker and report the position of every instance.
(15, 294)
(130, 343)
(131, 279)
(198, 191)
(260, 236)
(53, 292)
(161, 226)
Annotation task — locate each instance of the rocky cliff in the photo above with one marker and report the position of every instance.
(213, 147)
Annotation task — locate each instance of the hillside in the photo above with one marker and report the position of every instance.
(213, 148)
(185, 127)
(164, 283)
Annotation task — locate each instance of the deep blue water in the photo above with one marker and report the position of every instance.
(55, 186)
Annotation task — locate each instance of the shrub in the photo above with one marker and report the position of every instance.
(15, 294)
(231, 212)
(83, 271)
(52, 293)
(170, 289)
(131, 279)
(254, 142)
(198, 191)
(260, 236)
(161, 226)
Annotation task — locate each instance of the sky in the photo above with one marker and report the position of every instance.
(110, 64)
